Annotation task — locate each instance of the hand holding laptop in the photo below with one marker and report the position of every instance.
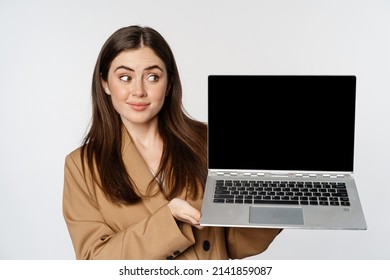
(181, 210)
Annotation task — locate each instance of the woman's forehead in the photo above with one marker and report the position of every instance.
(138, 57)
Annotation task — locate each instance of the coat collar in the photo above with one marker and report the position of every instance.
(139, 171)
(141, 175)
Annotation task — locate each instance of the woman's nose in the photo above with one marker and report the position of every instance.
(138, 89)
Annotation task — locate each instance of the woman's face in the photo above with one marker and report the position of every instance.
(137, 83)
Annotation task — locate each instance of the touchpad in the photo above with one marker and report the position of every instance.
(276, 215)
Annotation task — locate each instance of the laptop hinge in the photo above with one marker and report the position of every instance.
(235, 174)
(315, 175)
(298, 175)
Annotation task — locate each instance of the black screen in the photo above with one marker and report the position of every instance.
(281, 122)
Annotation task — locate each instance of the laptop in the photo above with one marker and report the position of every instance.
(281, 152)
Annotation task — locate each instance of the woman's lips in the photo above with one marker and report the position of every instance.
(138, 106)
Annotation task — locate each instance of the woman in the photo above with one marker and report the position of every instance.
(134, 188)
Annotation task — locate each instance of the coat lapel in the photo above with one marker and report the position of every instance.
(141, 175)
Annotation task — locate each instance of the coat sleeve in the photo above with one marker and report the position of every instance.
(245, 242)
(156, 237)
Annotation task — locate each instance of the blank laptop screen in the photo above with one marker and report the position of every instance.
(296, 123)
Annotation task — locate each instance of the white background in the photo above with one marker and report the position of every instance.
(47, 53)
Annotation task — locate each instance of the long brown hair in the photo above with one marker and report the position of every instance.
(183, 163)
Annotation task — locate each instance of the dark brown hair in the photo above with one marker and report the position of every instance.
(184, 159)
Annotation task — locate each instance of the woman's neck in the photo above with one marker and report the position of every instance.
(148, 142)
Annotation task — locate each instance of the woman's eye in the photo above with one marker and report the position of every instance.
(125, 78)
(153, 78)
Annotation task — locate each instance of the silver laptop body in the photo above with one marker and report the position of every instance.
(281, 152)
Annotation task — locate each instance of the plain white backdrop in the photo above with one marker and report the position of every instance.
(47, 53)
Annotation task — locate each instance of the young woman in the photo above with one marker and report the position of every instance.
(133, 190)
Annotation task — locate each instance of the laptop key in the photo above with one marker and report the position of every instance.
(222, 192)
(293, 202)
(219, 196)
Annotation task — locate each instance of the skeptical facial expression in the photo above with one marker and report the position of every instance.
(137, 83)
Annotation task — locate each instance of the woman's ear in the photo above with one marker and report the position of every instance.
(105, 86)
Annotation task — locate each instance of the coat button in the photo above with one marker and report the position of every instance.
(176, 253)
(170, 258)
(206, 245)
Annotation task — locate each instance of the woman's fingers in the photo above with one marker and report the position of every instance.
(183, 211)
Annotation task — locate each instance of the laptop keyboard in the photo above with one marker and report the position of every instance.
(281, 192)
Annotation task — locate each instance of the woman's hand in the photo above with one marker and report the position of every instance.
(181, 210)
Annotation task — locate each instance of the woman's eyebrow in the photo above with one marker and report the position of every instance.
(154, 67)
(132, 70)
(123, 67)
